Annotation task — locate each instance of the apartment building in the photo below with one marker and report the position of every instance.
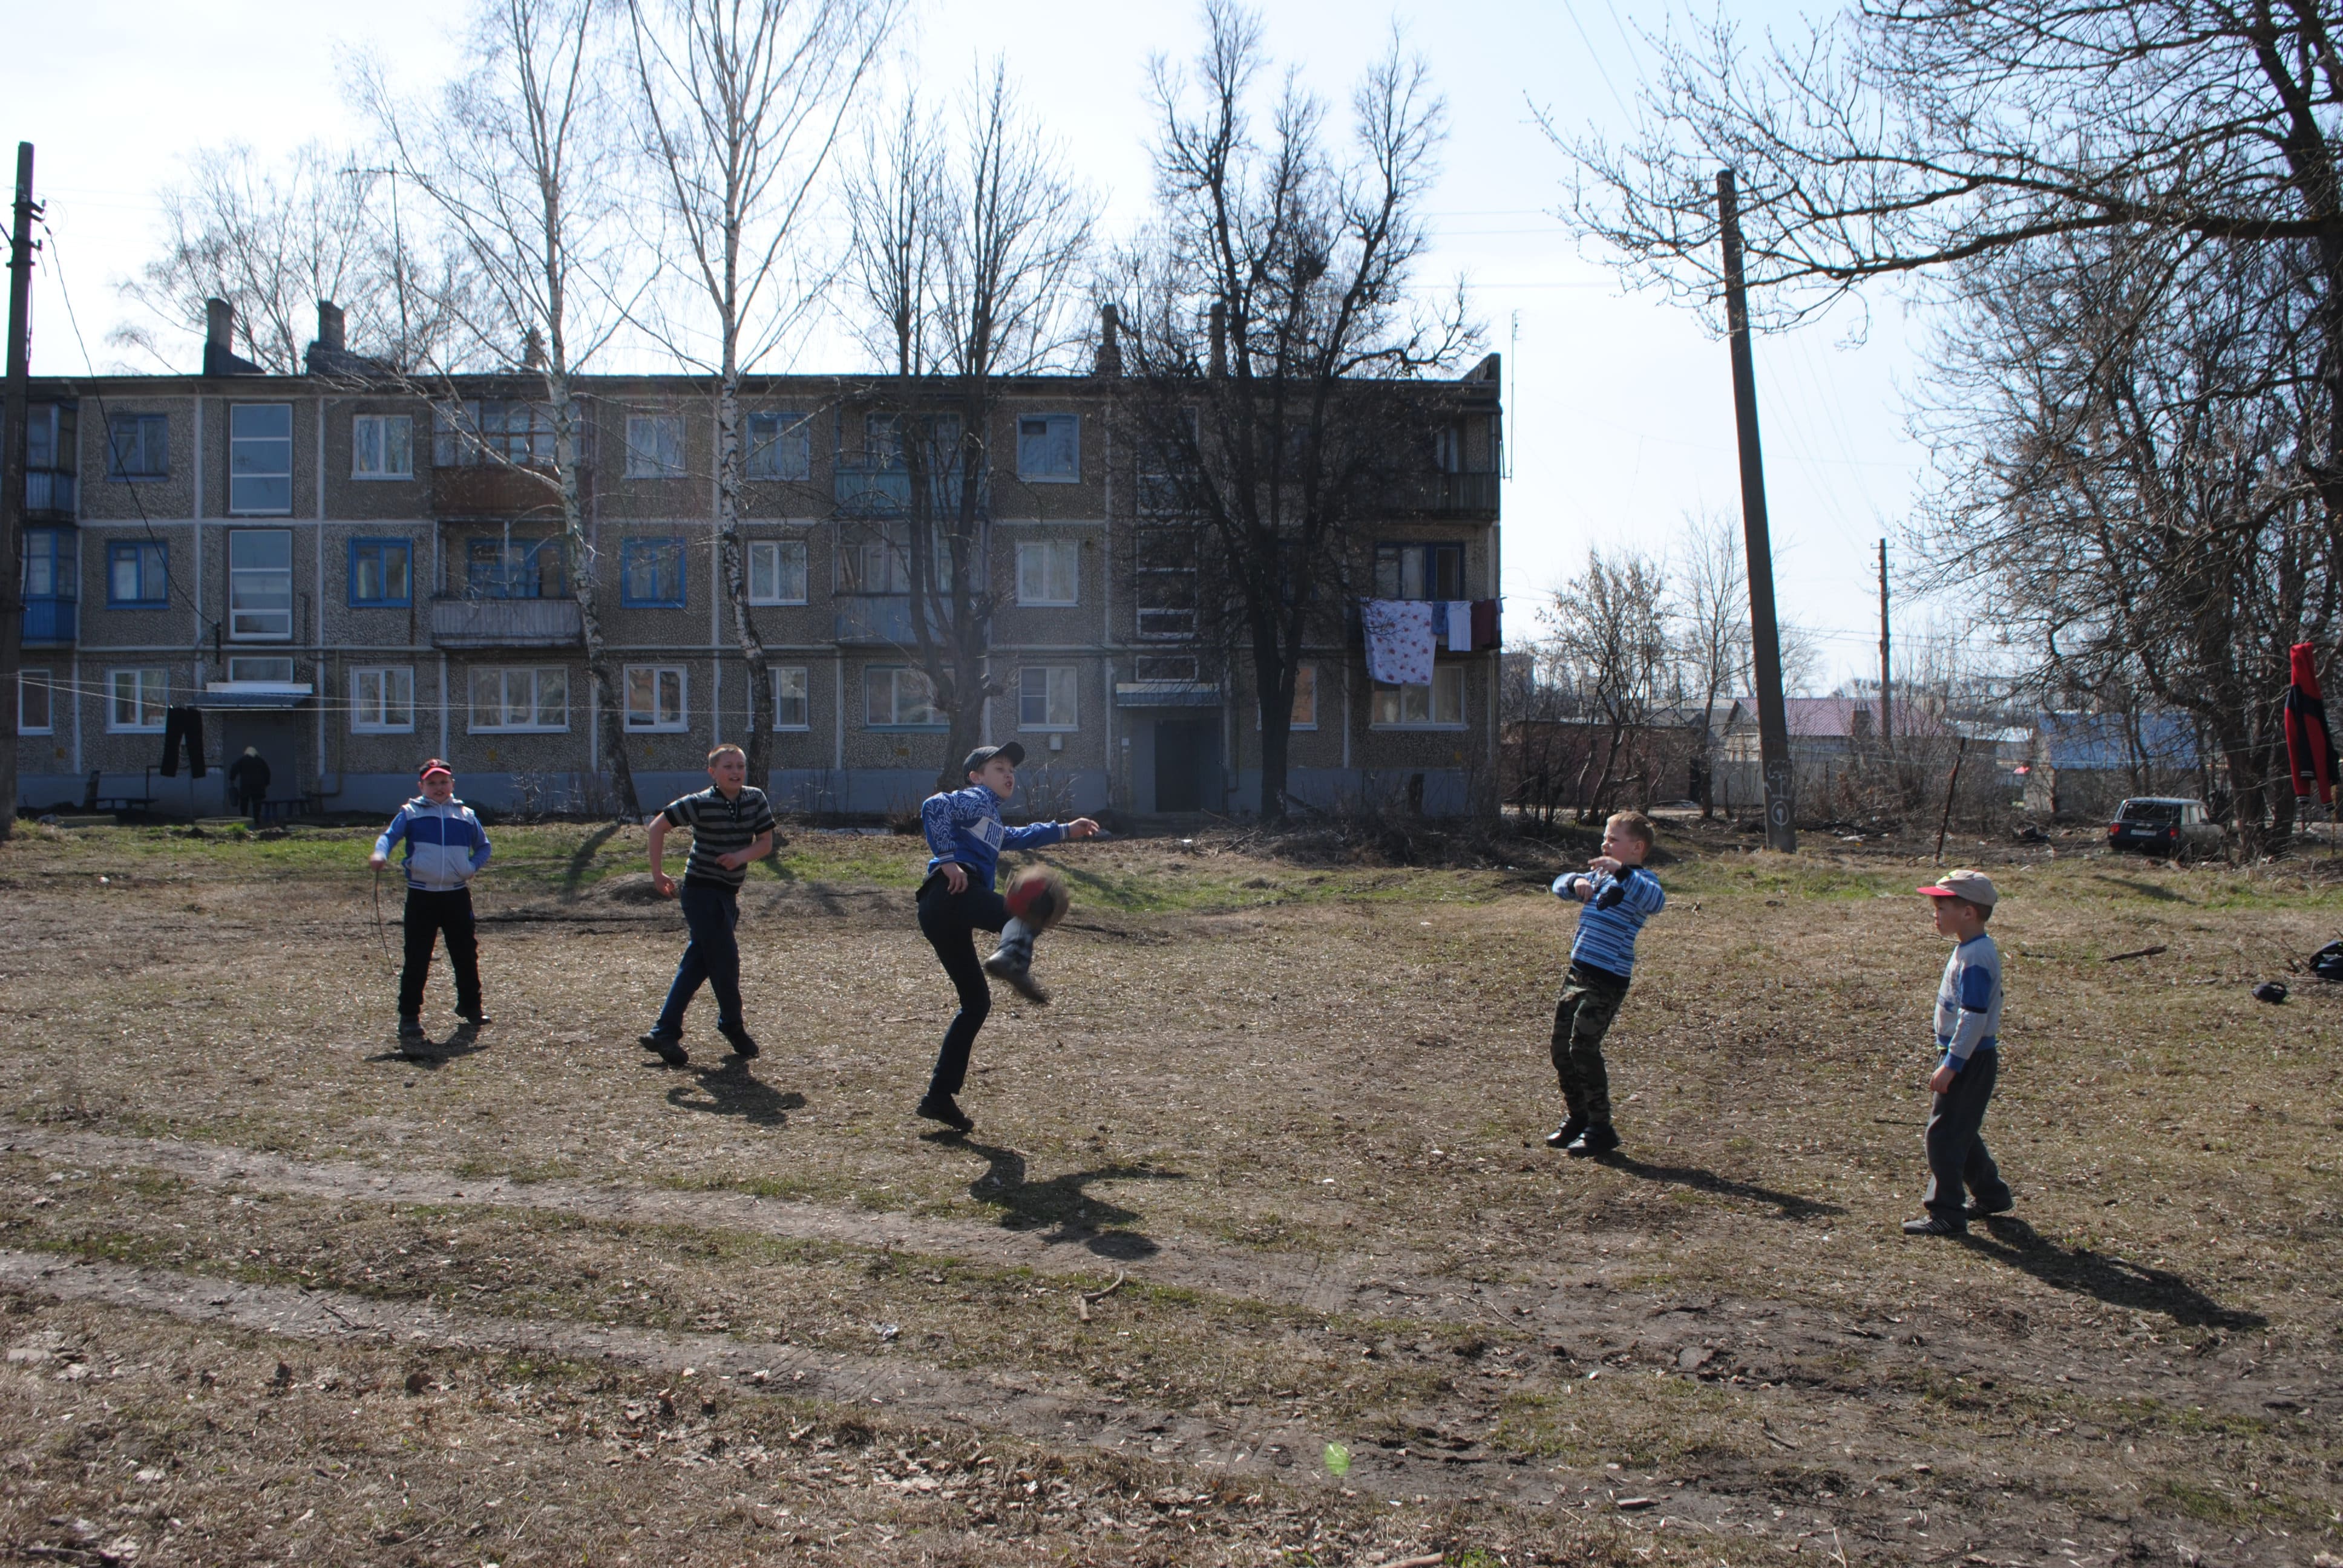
(346, 577)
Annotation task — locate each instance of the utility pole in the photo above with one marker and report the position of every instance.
(12, 478)
(1765, 635)
(1886, 730)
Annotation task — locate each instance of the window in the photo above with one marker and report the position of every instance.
(654, 445)
(493, 430)
(382, 701)
(381, 573)
(274, 671)
(1048, 449)
(35, 702)
(382, 446)
(791, 708)
(516, 569)
(49, 437)
(895, 698)
(882, 441)
(137, 575)
(1420, 571)
(49, 564)
(655, 697)
(531, 697)
(781, 445)
(1045, 697)
(135, 699)
(1165, 667)
(1166, 582)
(777, 571)
(883, 566)
(1440, 706)
(1049, 572)
(1448, 450)
(650, 574)
(260, 583)
(1306, 699)
(260, 459)
(138, 448)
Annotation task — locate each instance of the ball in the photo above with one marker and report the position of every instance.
(1037, 896)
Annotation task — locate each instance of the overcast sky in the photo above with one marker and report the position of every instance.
(1620, 412)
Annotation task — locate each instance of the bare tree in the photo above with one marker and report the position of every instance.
(1712, 613)
(1610, 638)
(1274, 333)
(519, 159)
(968, 242)
(744, 102)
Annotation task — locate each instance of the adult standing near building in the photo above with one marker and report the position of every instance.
(248, 777)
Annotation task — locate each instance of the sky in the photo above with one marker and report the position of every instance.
(1619, 404)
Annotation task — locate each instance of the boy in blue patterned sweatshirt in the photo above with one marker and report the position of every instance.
(965, 838)
(446, 848)
(1620, 895)
(1968, 1040)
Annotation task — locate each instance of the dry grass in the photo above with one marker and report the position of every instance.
(1298, 1104)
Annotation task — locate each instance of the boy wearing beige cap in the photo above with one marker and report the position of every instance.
(1968, 1034)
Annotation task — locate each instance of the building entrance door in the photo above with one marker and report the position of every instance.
(277, 736)
(1187, 759)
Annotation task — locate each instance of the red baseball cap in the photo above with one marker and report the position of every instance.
(434, 766)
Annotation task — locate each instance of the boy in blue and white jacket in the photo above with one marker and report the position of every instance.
(965, 838)
(446, 848)
(1969, 1063)
(1620, 895)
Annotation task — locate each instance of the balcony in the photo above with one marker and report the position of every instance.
(48, 496)
(876, 620)
(505, 623)
(868, 492)
(1464, 496)
(50, 622)
(502, 490)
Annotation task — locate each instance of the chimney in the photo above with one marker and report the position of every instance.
(1219, 339)
(219, 325)
(1109, 347)
(329, 325)
(532, 350)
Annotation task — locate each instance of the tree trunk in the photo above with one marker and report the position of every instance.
(609, 700)
(733, 553)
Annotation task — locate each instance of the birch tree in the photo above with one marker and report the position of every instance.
(520, 161)
(743, 102)
(969, 244)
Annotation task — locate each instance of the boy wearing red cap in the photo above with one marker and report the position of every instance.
(446, 848)
(1968, 1036)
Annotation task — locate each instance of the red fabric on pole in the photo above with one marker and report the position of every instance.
(2309, 749)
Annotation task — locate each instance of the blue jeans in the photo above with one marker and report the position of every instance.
(710, 912)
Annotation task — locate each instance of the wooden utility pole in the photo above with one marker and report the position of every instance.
(12, 478)
(1765, 635)
(1886, 730)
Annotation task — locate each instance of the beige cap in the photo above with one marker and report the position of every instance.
(1974, 886)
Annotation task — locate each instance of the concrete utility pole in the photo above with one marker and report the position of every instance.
(1765, 635)
(1886, 731)
(12, 478)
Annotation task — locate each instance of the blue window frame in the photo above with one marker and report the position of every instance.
(137, 574)
(650, 574)
(382, 574)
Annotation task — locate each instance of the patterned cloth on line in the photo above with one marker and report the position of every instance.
(1399, 640)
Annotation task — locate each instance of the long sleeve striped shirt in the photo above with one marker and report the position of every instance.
(1968, 1003)
(1617, 905)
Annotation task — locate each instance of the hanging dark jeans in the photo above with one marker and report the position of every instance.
(710, 911)
(182, 726)
(949, 921)
(429, 916)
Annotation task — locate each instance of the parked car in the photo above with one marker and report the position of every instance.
(2165, 825)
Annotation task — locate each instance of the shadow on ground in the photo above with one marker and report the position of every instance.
(1062, 1202)
(431, 1055)
(1789, 1205)
(731, 1090)
(2118, 1282)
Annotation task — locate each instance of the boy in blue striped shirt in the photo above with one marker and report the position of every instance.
(1968, 1042)
(1619, 896)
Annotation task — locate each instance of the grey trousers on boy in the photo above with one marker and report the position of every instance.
(1958, 1157)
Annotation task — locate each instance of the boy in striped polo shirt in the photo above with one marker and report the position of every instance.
(1620, 895)
(731, 825)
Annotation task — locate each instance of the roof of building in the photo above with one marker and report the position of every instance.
(2104, 741)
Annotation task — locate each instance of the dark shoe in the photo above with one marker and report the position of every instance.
(1003, 967)
(479, 1020)
(1563, 1136)
(944, 1107)
(1935, 1225)
(744, 1044)
(669, 1043)
(411, 1028)
(1979, 1212)
(1594, 1142)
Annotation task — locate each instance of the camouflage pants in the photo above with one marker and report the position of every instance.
(1590, 1000)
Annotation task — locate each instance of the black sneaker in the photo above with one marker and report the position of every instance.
(1935, 1225)
(1563, 1136)
(744, 1044)
(1019, 977)
(479, 1020)
(944, 1107)
(669, 1043)
(411, 1028)
(1595, 1140)
(1979, 1212)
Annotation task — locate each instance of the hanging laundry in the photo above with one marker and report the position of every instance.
(2310, 749)
(1484, 622)
(183, 728)
(1399, 640)
(1459, 613)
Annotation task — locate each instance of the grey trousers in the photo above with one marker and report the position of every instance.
(1958, 1157)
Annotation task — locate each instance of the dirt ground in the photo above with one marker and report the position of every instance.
(1255, 1256)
